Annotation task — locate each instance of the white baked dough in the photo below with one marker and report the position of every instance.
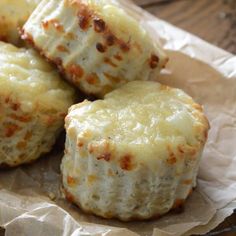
(33, 104)
(97, 44)
(13, 14)
(135, 154)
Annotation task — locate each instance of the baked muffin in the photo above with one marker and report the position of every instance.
(96, 44)
(13, 14)
(33, 104)
(135, 154)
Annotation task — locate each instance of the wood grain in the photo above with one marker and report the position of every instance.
(211, 20)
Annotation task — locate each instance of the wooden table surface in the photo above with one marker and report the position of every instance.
(211, 20)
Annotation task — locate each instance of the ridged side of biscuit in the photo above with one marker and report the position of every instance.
(135, 154)
(96, 44)
(33, 104)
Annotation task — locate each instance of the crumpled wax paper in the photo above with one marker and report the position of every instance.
(30, 198)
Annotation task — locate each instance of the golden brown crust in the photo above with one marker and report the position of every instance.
(4, 166)
(31, 119)
(111, 46)
(127, 165)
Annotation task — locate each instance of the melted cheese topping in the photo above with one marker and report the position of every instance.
(20, 9)
(135, 154)
(13, 14)
(121, 21)
(97, 44)
(117, 18)
(25, 75)
(144, 115)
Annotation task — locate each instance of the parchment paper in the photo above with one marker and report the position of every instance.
(30, 199)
